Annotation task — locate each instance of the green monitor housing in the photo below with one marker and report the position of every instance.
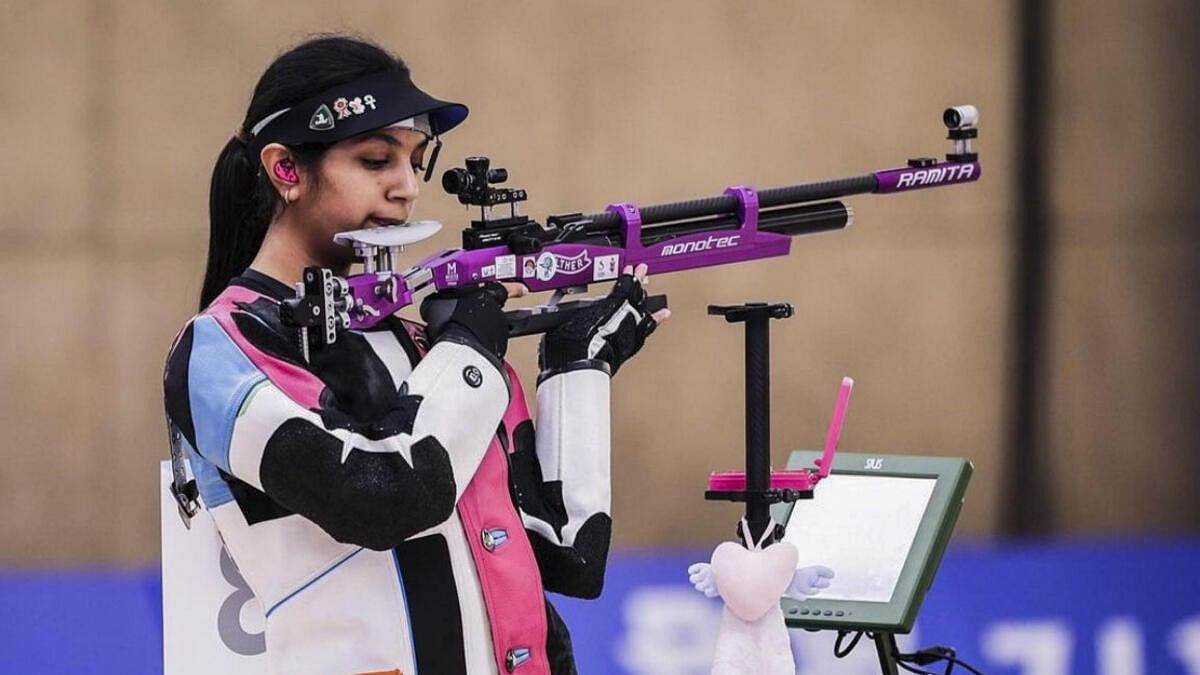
(882, 523)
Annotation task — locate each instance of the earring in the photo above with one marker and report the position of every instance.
(289, 196)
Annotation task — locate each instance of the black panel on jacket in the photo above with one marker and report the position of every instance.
(358, 377)
(372, 499)
(542, 500)
(358, 383)
(432, 598)
(578, 570)
(261, 283)
(255, 505)
(259, 323)
(175, 387)
(559, 651)
(398, 420)
(502, 436)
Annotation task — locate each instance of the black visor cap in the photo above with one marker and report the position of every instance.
(345, 110)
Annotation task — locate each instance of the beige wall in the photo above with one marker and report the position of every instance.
(1123, 377)
(117, 111)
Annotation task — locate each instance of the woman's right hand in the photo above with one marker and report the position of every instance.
(472, 314)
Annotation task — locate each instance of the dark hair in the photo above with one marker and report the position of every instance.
(241, 199)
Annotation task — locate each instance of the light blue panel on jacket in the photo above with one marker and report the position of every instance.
(219, 378)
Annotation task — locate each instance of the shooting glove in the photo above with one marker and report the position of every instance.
(601, 336)
(470, 315)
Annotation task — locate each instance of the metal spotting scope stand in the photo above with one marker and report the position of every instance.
(759, 493)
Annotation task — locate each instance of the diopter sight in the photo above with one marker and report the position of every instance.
(473, 185)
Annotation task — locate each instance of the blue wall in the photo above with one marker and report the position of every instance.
(1104, 607)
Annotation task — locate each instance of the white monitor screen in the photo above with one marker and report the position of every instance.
(862, 527)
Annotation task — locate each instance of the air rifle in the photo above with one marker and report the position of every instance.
(571, 251)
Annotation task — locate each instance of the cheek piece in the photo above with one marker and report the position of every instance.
(286, 172)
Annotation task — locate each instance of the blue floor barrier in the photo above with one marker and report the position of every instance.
(1103, 607)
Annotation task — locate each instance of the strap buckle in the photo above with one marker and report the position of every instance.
(186, 500)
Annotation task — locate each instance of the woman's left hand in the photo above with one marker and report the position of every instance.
(639, 273)
(611, 330)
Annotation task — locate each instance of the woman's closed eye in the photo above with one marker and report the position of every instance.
(418, 160)
(376, 162)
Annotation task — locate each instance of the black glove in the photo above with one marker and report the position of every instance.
(603, 335)
(469, 314)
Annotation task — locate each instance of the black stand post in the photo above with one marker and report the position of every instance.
(758, 418)
(885, 647)
(758, 406)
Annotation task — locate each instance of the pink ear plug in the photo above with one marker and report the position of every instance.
(286, 171)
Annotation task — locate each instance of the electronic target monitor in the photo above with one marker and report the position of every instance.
(881, 522)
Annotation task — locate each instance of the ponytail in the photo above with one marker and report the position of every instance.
(236, 227)
(241, 199)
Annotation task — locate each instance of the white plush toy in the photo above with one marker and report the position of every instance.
(753, 637)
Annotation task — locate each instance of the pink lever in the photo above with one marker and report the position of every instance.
(835, 427)
(789, 479)
(801, 480)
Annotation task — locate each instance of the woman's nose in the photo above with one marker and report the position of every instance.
(405, 187)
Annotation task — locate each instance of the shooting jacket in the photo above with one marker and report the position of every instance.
(389, 503)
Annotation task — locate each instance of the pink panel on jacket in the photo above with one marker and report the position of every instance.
(297, 383)
(518, 410)
(508, 573)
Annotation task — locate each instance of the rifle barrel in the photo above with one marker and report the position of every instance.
(791, 220)
(727, 204)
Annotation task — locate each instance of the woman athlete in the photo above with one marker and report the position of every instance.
(388, 500)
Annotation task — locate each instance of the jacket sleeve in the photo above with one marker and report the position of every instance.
(564, 482)
(374, 485)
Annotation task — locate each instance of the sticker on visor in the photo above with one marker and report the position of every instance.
(322, 119)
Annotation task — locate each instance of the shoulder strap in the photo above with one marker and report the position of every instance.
(183, 484)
